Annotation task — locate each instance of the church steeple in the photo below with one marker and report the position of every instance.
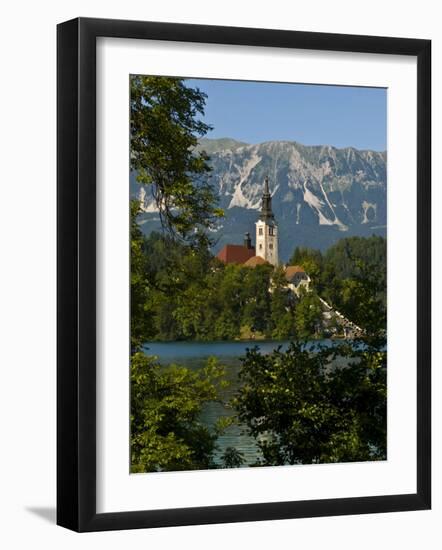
(266, 209)
(267, 229)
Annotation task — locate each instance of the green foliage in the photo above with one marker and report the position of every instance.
(342, 257)
(310, 260)
(166, 403)
(193, 296)
(232, 458)
(355, 282)
(139, 284)
(298, 407)
(164, 128)
(302, 411)
(351, 276)
(325, 405)
(308, 316)
(282, 308)
(256, 297)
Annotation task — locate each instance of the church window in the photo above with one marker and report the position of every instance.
(260, 231)
(260, 246)
(271, 230)
(271, 246)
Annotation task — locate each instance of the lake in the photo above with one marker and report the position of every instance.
(193, 355)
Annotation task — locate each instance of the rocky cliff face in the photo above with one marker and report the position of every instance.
(320, 193)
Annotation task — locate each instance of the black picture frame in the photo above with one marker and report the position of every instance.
(76, 274)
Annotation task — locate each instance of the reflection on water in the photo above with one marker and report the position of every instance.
(194, 355)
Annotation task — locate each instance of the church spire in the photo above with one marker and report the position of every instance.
(266, 186)
(266, 209)
(267, 229)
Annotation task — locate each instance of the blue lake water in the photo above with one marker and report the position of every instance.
(194, 355)
(169, 352)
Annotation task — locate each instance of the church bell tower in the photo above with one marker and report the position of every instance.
(267, 229)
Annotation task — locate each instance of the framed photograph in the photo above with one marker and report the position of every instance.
(243, 274)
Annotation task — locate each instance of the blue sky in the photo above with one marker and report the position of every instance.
(310, 114)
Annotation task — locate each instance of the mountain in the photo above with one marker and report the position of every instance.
(211, 146)
(320, 193)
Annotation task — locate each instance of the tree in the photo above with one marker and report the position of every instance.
(232, 458)
(308, 315)
(356, 268)
(229, 296)
(282, 307)
(302, 410)
(141, 326)
(256, 297)
(309, 259)
(353, 259)
(165, 128)
(316, 404)
(166, 403)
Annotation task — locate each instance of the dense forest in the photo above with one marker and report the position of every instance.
(194, 296)
(298, 408)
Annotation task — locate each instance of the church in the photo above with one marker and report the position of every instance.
(266, 249)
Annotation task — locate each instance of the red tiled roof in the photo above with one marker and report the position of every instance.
(291, 270)
(254, 261)
(235, 254)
